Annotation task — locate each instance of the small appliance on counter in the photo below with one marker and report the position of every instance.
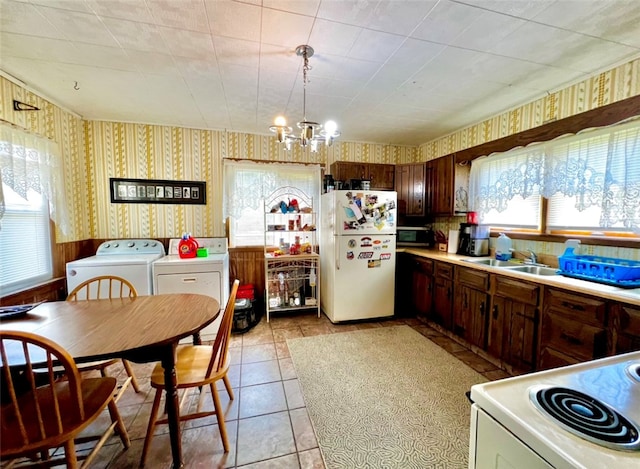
(473, 240)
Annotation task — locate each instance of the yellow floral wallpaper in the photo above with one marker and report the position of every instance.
(94, 151)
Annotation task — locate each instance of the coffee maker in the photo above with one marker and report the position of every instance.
(473, 240)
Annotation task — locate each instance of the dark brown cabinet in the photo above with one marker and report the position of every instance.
(422, 281)
(572, 329)
(410, 186)
(442, 312)
(447, 186)
(513, 323)
(471, 305)
(381, 176)
(625, 328)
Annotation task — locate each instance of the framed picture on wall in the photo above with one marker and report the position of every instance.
(157, 191)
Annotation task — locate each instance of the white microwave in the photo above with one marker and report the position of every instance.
(418, 236)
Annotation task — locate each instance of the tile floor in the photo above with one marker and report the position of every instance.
(267, 422)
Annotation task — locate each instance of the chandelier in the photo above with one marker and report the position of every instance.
(312, 134)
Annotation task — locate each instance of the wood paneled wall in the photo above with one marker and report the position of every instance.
(247, 265)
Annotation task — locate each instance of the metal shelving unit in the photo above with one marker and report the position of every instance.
(292, 263)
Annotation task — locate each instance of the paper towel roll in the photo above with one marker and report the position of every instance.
(452, 244)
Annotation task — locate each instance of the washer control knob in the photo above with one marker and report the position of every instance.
(106, 246)
(116, 245)
(131, 244)
(145, 244)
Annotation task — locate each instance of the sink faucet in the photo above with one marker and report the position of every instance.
(533, 259)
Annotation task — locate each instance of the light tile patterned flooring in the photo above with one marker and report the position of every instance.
(267, 422)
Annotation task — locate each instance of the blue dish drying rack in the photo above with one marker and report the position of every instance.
(607, 270)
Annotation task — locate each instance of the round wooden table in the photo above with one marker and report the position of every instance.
(143, 329)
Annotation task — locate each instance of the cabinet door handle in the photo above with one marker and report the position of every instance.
(464, 300)
(482, 309)
(449, 292)
(569, 338)
(495, 311)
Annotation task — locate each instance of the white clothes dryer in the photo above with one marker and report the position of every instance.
(130, 259)
(204, 275)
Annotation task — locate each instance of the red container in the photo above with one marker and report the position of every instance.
(187, 248)
(472, 218)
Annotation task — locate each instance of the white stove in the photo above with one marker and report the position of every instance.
(580, 416)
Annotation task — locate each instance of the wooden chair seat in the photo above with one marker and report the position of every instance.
(40, 411)
(197, 366)
(95, 394)
(192, 362)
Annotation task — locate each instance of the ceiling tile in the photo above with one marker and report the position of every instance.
(285, 29)
(487, 30)
(120, 9)
(375, 46)
(136, 36)
(237, 51)
(184, 14)
(31, 47)
(399, 16)
(223, 19)
(352, 12)
(525, 9)
(22, 18)
(337, 37)
(188, 43)
(445, 22)
(80, 27)
(302, 7)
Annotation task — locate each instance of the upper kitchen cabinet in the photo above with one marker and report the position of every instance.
(447, 186)
(379, 175)
(410, 186)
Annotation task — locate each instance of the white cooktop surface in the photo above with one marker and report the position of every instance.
(606, 379)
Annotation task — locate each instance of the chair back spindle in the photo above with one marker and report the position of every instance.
(221, 344)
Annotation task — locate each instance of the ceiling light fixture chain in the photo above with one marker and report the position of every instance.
(311, 133)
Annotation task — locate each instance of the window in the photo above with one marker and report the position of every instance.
(25, 242)
(31, 192)
(590, 183)
(246, 184)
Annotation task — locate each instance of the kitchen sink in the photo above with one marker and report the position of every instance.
(493, 262)
(534, 269)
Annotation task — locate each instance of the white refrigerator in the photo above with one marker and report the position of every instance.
(357, 254)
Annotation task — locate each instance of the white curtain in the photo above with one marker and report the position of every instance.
(247, 184)
(599, 168)
(30, 162)
(496, 179)
(596, 168)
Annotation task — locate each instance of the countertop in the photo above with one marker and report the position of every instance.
(626, 295)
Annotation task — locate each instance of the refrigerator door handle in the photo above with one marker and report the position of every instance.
(337, 253)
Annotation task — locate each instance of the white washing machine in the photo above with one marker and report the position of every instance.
(128, 258)
(205, 275)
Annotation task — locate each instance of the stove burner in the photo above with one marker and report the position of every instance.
(586, 417)
(634, 371)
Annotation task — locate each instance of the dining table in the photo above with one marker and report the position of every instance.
(142, 330)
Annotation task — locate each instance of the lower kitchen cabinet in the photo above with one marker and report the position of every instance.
(471, 305)
(442, 312)
(404, 288)
(513, 323)
(422, 281)
(572, 329)
(625, 328)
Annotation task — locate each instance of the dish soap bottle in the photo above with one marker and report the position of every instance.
(503, 247)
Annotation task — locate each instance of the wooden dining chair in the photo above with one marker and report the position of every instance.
(41, 412)
(107, 287)
(196, 367)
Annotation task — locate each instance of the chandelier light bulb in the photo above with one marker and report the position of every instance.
(311, 133)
